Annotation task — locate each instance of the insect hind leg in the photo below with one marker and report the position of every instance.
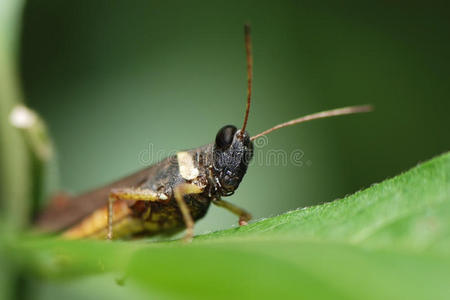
(129, 194)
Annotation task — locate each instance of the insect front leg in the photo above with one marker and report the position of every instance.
(243, 215)
(129, 194)
(179, 192)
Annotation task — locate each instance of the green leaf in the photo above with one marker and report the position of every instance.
(390, 241)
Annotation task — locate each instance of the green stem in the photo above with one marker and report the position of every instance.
(14, 155)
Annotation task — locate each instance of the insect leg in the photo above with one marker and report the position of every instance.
(179, 192)
(244, 216)
(129, 194)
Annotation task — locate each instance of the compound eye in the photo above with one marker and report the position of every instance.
(224, 137)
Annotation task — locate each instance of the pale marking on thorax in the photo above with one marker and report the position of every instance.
(186, 166)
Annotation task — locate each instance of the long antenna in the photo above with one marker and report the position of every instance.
(248, 49)
(324, 114)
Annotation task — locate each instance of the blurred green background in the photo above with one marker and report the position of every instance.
(112, 77)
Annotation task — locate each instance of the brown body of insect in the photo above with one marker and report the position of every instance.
(150, 206)
(172, 194)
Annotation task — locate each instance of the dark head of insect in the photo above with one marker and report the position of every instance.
(232, 153)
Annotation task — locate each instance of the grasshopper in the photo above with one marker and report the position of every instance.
(171, 195)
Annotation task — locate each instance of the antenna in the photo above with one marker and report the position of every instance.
(248, 49)
(324, 114)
